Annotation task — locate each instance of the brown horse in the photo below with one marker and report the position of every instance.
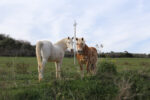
(86, 55)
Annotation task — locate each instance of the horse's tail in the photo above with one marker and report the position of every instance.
(38, 53)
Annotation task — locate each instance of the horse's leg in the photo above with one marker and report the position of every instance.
(87, 66)
(41, 69)
(58, 69)
(95, 65)
(56, 65)
(92, 68)
(81, 70)
(94, 71)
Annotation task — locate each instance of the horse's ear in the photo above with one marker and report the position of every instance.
(68, 37)
(82, 38)
(76, 39)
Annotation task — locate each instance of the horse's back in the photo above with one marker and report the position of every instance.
(93, 49)
(94, 52)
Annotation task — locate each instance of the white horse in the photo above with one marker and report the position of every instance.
(46, 51)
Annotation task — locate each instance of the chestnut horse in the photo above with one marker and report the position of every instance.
(86, 55)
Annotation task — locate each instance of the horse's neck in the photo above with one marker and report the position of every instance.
(62, 44)
(85, 49)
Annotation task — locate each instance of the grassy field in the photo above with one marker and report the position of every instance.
(19, 80)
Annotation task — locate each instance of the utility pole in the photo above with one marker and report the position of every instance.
(75, 24)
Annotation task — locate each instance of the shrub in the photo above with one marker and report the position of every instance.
(107, 67)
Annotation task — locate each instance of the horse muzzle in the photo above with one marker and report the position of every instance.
(72, 50)
(79, 51)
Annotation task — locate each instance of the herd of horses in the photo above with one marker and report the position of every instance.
(47, 51)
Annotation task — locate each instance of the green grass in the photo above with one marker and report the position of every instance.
(129, 63)
(19, 80)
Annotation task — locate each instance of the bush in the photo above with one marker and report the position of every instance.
(107, 68)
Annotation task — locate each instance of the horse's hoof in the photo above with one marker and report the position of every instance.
(40, 79)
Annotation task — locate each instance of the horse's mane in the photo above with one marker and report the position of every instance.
(85, 50)
(60, 41)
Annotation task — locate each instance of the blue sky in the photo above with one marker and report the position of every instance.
(120, 25)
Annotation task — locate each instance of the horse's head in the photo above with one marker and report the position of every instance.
(80, 44)
(69, 43)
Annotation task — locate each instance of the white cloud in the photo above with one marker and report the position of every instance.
(118, 24)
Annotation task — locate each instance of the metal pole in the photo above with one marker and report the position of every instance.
(75, 24)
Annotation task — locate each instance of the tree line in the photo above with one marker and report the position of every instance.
(13, 47)
(123, 55)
